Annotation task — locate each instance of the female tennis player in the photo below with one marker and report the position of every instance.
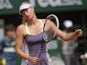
(31, 34)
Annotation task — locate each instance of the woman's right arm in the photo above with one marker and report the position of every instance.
(19, 43)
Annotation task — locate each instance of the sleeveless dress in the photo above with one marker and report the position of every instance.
(36, 47)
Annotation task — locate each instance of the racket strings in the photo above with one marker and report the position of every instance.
(51, 18)
(49, 35)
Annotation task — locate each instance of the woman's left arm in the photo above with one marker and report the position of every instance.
(69, 36)
(63, 35)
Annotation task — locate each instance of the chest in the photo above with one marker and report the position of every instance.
(35, 30)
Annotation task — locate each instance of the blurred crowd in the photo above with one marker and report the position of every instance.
(72, 51)
(7, 46)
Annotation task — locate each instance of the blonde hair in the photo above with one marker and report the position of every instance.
(24, 20)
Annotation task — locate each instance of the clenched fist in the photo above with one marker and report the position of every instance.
(78, 32)
(35, 60)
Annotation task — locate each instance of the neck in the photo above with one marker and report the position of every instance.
(33, 20)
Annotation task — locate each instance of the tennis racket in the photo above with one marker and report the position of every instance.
(49, 35)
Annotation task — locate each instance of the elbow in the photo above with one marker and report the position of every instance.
(18, 52)
(66, 38)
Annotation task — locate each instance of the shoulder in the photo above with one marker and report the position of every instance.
(20, 27)
(43, 20)
(47, 22)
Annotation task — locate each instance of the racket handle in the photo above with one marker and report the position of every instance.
(38, 54)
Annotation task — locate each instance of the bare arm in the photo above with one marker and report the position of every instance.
(63, 35)
(70, 36)
(19, 43)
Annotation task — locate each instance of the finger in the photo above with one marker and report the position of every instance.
(80, 34)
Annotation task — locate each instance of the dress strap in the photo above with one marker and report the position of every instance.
(27, 31)
(41, 24)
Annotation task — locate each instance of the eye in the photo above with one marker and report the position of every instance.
(26, 13)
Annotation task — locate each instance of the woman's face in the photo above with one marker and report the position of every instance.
(28, 13)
